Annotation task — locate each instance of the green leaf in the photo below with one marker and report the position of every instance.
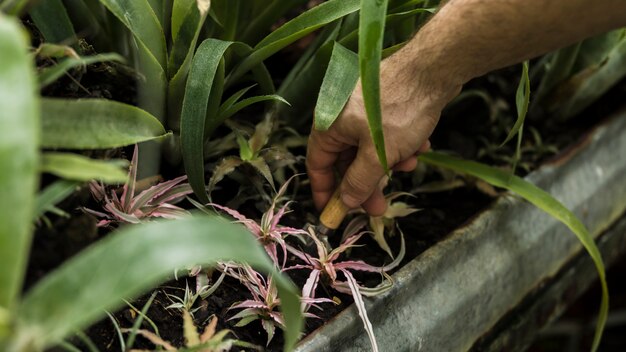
(199, 85)
(95, 124)
(52, 73)
(541, 200)
(81, 168)
(522, 98)
(293, 30)
(180, 8)
(339, 82)
(371, 30)
(53, 194)
(270, 14)
(131, 261)
(185, 41)
(140, 19)
(52, 20)
(19, 154)
(245, 152)
(235, 108)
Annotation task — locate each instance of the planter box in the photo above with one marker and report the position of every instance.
(492, 283)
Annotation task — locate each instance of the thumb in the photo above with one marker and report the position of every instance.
(361, 178)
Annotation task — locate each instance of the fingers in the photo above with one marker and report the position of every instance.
(375, 205)
(320, 159)
(361, 179)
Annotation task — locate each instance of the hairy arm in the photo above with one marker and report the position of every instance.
(465, 39)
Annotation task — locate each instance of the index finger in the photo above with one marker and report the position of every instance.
(322, 153)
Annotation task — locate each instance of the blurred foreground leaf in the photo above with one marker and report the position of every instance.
(131, 261)
(19, 139)
(95, 124)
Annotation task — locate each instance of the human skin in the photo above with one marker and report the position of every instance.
(464, 40)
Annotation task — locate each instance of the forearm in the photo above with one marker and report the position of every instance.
(468, 38)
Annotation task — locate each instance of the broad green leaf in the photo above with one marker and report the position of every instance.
(128, 263)
(19, 154)
(293, 30)
(305, 79)
(50, 74)
(53, 194)
(371, 30)
(140, 19)
(558, 69)
(591, 83)
(95, 124)
(541, 200)
(81, 168)
(339, 82)
(203, 68)
(522, 98)
(180, 8)
(52, 20)
(185, 41)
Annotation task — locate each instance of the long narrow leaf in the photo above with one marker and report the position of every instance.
(541, 200)
(140, 19)
(52, 73)
(127, 263)
(247, 102)
(371, 30)
(53, 194)
(52, 20)
(293, 30)
(203, 68)
(95, 123)
(522, 98)
(81, 168)
(339, 82)
(19, 137)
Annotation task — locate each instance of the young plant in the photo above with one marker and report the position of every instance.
(327, 266)
(155, 202)
(250, 153)
(269, 233)
(210, 340)
(264, 301)
(386, 223)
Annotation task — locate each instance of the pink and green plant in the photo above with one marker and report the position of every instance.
(264, 301)
(269, 232)
(155, 202)
(327, 266)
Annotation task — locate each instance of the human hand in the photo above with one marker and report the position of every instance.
(411, 106)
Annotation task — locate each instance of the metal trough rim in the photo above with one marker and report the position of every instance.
(451, 295)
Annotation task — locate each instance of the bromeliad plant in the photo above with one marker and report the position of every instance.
(210, 340)
(269, 232)
(327, 266)
(264, 300)
(155, 202)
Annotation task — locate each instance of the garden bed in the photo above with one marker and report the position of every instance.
(462, 292)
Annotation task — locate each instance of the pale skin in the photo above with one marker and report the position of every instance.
(464, 40)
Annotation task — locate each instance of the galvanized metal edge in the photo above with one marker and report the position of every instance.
(456, 291)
